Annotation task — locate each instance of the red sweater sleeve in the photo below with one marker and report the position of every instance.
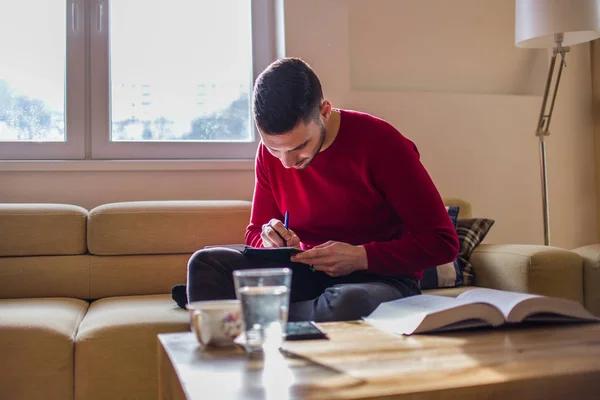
(429, 237)
(264, 206)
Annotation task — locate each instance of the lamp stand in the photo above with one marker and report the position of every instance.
(544, 124)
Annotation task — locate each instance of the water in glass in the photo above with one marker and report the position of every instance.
(265, 314)
(264, 294)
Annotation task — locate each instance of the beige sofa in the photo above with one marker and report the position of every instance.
(83, 294)
(591, 276)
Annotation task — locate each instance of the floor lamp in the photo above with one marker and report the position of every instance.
(555, 24)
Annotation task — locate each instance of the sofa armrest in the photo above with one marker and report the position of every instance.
(545, 270)
(591, 276)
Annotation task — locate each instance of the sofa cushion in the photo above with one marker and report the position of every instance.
(136, 275)
(165, 227)
(36, 347)
(45, 276)
(116, 346)
(42, 229)
(590, 255)
(528, 268)
(471, 232)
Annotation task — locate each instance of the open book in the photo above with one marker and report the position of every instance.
(473, 308)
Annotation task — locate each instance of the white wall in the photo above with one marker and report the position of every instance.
(91, 188)
(449, 78)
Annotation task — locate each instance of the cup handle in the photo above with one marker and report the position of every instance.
(197, 324)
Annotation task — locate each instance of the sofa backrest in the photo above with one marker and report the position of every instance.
(143, 247)
(56, 250)
(43, 251)
(130, 248)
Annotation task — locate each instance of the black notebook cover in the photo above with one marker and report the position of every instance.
(277, 254)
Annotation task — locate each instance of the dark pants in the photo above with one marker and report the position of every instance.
(314, 296)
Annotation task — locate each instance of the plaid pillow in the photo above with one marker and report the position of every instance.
(446, 275)
(471, 232)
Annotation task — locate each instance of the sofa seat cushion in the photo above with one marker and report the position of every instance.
(449, 292)
(116, 346)
(37, 346)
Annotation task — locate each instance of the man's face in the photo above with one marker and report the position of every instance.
(298, 147)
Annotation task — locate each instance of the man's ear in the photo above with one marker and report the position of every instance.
(326, 109)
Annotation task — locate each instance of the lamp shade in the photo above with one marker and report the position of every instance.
(537, 21)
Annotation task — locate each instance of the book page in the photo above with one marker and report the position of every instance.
(503, 300)
(550, 309)
(518, 307)
(425, 312)
(424, 303)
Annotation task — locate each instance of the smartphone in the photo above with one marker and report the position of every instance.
(304, 330)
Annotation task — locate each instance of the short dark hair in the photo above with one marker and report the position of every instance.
(286, 92)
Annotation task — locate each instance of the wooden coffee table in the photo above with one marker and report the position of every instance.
(361, 362)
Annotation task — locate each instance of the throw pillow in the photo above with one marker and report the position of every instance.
(446, 275)
(471, 232)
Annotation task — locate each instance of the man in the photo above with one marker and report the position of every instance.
(361, 204)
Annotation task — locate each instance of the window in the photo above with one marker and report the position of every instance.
(41, 80)
(166, 80)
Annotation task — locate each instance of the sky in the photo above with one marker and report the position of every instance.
(170, 45)
(33, 48)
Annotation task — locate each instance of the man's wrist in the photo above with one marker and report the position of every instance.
(362, 259)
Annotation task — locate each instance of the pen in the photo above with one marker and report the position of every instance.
(286, 223)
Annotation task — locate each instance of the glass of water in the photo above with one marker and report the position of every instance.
(265, 296)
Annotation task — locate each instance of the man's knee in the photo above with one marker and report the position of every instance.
(213, 258)
(198, 262)
(353, 301)
(199, 259)
(209, 275)
(344, 303)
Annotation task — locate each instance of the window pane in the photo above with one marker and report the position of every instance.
(180, 71)
(32, 70)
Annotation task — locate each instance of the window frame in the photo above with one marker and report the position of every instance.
(73, 148)
(263, 52)
(87, 90)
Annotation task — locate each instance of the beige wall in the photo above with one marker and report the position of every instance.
(91, 188)
(595, 56)
(449, 78)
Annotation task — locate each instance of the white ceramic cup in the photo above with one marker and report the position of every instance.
(216, 322)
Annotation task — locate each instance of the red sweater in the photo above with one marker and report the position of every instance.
(367, 188)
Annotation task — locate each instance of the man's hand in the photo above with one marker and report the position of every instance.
(274, 234)
(334, 258)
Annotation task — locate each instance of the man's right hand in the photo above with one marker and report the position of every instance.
(274, 234)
